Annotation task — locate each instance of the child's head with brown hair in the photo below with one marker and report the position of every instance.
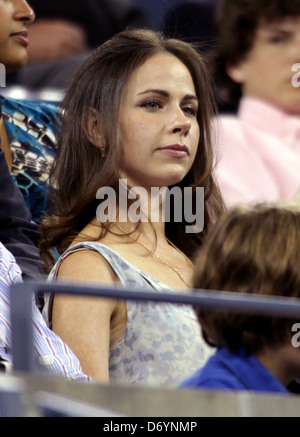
(256, 251)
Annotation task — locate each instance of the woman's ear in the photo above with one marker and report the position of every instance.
(93, 130)
(92, 127)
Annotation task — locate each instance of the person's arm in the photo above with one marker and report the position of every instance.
(51, 352)
(17, 232)
(88, 325)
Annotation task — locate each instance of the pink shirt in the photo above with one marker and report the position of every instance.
(258, 154)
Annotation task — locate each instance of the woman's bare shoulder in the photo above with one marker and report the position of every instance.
(86, 264)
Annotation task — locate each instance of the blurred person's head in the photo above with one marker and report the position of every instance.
(258, 43)
(255, 251)
(15, 17)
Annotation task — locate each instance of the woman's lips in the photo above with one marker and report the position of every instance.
(22, 37)
(176, 150)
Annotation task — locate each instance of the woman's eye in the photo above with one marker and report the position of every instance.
(151, 104)
(189, 110)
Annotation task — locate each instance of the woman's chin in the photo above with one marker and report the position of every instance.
(175, 179)
(14, 63)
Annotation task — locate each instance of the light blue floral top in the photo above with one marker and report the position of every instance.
(162, 344)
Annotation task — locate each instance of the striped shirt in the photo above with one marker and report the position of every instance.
(52, 353)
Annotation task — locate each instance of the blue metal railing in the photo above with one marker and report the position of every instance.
(22, 295)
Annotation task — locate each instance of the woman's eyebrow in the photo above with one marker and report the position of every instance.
(191, 97)
(154, 90)
(166, 94)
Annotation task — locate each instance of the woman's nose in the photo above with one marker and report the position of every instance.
(181, 124)
(24, 12)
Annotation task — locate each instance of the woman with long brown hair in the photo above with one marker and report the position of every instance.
(134, 195)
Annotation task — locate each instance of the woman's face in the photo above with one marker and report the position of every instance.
(158, 123)
(15, 16)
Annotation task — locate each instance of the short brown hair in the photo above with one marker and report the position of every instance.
(236, 24)
(251, 250)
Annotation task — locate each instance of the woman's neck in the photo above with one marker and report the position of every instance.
(141, 205)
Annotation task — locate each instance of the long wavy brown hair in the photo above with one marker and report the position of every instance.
(79, 170)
